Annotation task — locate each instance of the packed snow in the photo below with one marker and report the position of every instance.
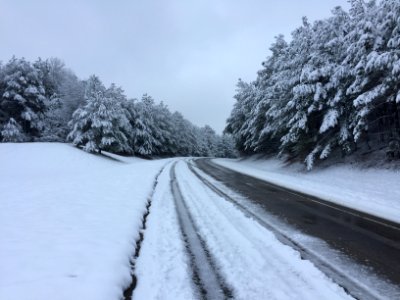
(248, 256)
(68, 221)
(163, 268)
(374, 191)
(251, 260)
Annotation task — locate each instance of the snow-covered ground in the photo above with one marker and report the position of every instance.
(253, 263)
(68, 221)
(163, 268)
(374, 191)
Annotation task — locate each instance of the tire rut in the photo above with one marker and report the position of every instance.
(352, 287)
(207, 280)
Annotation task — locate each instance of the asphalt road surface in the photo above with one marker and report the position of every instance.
(368, 240)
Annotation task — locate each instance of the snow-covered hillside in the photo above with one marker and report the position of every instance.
(373, 191)
(68, 221)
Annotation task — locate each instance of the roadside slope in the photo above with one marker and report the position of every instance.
(68, 221)
(373, 191)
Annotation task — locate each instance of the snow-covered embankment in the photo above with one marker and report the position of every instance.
(68, 221)
(374, 191)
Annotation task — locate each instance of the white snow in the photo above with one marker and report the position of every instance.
(162, 268)
(374, 191)
(248, 256)
(68, 221)
(253, 263)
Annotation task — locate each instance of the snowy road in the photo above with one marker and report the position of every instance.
(352, 241)
(178, 231)
(199, 245)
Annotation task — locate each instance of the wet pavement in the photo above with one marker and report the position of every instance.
(368, 240)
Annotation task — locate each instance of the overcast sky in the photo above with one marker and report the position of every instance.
(188, 54)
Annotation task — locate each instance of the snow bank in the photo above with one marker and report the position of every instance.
(68, 221)
(373, 191)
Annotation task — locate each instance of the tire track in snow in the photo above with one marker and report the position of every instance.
(208, 281)
(351, 286)
(127, 294)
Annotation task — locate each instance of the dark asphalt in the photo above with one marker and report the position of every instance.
(368, 240)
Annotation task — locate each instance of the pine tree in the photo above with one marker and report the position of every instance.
(23, 96)
(275, 94)
(238, 122)
(12, 132)
(186, 138)
(64, 94)
(295, 141)
(225, 146)
(98, 125)
(163, 132)
(143, 129)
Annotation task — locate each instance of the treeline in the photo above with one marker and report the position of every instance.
(44, 101)
(333, 88)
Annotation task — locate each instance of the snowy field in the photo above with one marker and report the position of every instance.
(68, 221)
(374, 191)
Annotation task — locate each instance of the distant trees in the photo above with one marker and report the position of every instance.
(108, 121)
(334, 87)
(44, 101)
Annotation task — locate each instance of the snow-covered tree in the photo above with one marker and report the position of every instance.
(163, 129)
(184, 135)
(275, 90)
(144, 128)
(296, 112)
(241, 116)
(23, 96)
(64, 94)
(335, 86)
(12, 132)
(210, 139)
(45, 101)
(99, 124)
(226, 146)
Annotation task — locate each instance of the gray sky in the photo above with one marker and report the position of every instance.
(189, 54)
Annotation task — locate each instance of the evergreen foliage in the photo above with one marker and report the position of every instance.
(12, 132)
(23, 96)
(44, 101)
(334, 87)
(99, 124)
